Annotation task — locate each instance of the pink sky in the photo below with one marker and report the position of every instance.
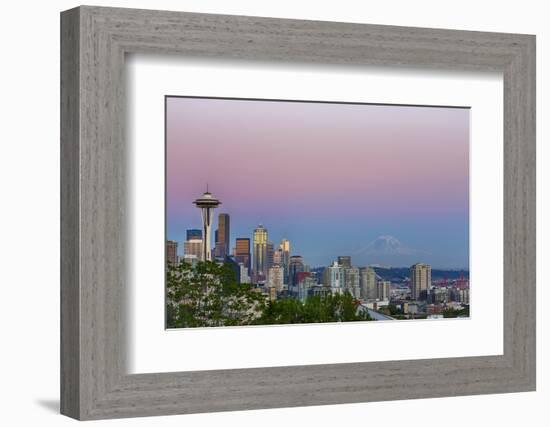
(279, 162)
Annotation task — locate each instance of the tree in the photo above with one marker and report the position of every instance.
(451, 312)
(315, 309)
(209, 294)
(393, 309)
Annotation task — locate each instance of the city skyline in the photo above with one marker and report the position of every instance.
(320, 198)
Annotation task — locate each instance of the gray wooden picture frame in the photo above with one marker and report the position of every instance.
(94, 41)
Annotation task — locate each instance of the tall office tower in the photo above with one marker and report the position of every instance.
(242, 252)
(172, 252)
(296, 265)
(207, 203)
(369, 290)
(222, 236)
(383, 290)
(344, 261)
(275, 277)
(421, 280)
(284, 246)
(335, 278)
(259, 240)
(193, 234)
(194, 247)
(278, 258)
(270, 254)
(352, 280)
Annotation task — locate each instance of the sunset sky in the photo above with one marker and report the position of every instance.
(329, 177)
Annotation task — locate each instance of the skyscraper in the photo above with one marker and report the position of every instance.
(421, 280)
(368, 285)
(222, 236)
(284, 246)
(334, 276)
(193, 234)
(296, 265)
(278, 258)
(172, 252)
(270, 254)
(344, 261)
(207, 203)
(260, 253)
(383, 290)
(352, 280)
(242, 251)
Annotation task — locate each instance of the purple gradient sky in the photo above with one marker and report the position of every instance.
(330, 177)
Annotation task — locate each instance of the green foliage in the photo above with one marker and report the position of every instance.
(209, 294)
(393, 309)
(450, 312)
(315, 309)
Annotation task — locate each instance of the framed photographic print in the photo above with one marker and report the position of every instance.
(262, 213)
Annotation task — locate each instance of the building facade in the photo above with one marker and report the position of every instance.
(242, 251)
(296, 265)
(194, 247)
(171, 252)
(221, 249)
(334, 277)
(368, 285)
(352, 280)
(193, 234)
(269, 254)
(284, 247)
(275, 277)
(383, 288)
(344, 261)
(421, 280)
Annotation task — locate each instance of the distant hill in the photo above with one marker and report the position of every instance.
(400, 273)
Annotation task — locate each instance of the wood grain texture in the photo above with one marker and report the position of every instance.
(94, 382)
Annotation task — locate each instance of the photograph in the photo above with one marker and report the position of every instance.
(297, 212)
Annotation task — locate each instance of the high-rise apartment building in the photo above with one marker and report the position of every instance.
(344, 261)
(368, 285)
(421, 280)
(334, 276)
(194, 247)
(352, 280)
(260, 253)
(383, 290)
(172, 252)
(275, 277)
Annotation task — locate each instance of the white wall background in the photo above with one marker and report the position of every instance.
(29, 214)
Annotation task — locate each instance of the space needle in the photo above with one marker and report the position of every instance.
(207, 203)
